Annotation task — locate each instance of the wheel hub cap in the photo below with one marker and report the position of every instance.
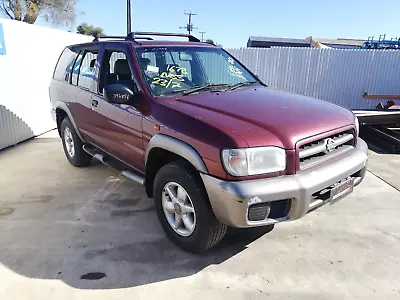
(178, 209)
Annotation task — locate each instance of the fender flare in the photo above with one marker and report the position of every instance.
(178, 147)
(65, 108)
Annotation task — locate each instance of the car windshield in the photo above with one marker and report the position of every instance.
(170, 70)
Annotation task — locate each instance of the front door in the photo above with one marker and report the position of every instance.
(117, 128)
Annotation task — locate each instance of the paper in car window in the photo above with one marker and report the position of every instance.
(153, 69)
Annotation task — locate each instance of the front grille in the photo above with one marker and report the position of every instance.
(271, 210)
(322, 149)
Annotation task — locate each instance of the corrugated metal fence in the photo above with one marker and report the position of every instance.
(12, 128)
(340, 76)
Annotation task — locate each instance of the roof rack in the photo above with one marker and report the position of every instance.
(147, 38)
(133, 36)
(189, 36)
(116, 37)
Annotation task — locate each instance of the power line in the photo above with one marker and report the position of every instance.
(128, 17)
(189, 27)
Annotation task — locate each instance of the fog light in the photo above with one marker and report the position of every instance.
(259, 212)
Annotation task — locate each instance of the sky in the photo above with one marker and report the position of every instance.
(230, 23)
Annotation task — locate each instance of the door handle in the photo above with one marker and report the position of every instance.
(95, 103)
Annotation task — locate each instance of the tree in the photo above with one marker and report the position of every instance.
(211, 41)
(87, 29)
(59, 12)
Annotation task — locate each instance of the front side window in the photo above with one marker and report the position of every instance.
(115, 69)
(183, 69)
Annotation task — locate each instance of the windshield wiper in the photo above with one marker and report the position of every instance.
(204, 87)
(238, 85)
(209, 86)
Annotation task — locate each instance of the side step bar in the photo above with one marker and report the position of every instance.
(133, 176)
(115, 164)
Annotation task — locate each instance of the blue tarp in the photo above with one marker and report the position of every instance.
(2, 41)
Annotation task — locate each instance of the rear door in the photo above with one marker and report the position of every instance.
(74, 82)
(117, 128)
(83, 79)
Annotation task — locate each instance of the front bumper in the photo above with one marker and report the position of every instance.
(231, 200)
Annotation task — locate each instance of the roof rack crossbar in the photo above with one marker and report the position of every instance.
(133, 36)
(189, 36)
(129, 37)
(144, 38)
(96, 38)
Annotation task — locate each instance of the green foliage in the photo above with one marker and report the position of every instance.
(59, 12)
(87, 29)
(211, 41)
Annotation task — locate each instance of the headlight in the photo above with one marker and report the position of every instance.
(254, 161)
(357, 125)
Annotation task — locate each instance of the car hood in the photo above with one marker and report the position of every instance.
(262, 116)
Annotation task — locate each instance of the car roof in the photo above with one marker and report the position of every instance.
(171, 43)
(146, 43)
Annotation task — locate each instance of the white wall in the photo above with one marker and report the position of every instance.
(25, 74)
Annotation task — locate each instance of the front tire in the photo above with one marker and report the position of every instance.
(73, 146)
(184, 210)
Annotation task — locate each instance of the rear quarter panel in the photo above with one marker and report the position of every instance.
(77, 101)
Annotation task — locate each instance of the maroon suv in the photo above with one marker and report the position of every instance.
(209, 141)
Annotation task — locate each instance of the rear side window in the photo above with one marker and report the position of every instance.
(75, 70)
(86, 71)
(64, 65)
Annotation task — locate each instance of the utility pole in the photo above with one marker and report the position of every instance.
(189, 27)
(128, 17)
(202, 35)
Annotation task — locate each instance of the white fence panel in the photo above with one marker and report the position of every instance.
(25, 73)
(340, 76)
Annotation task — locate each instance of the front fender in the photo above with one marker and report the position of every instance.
(178, 147)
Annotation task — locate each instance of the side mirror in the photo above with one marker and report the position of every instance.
(119, 93)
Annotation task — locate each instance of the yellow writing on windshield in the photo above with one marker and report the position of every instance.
(172, 77)
(176, 69)
(166, 83)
